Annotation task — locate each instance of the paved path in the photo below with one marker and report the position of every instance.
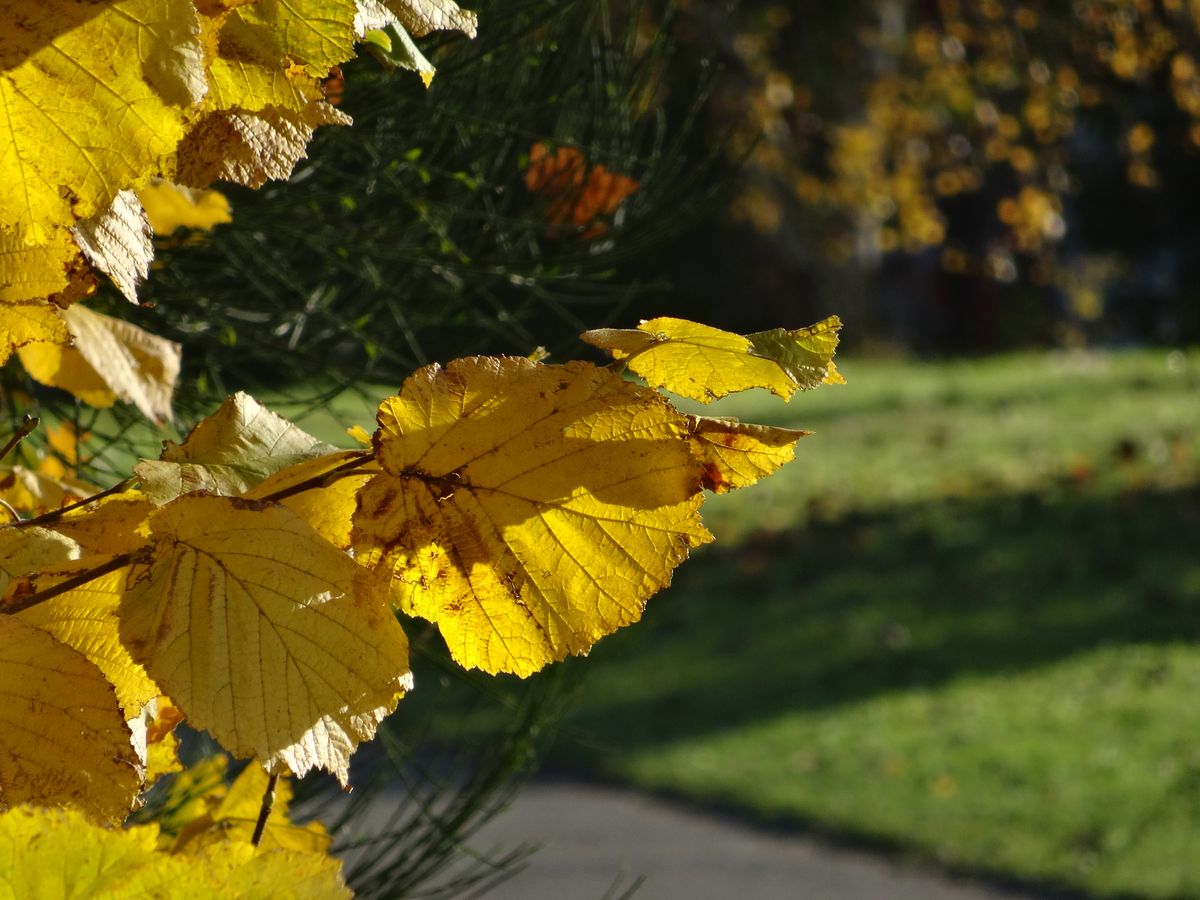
(594, 836)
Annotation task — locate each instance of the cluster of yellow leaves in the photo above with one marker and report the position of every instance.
(249, 580)
(114, 117)
(957, 91)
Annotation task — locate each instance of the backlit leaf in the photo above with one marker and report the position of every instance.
(117, 241)
(736, 454)
(705, 363)
(63, 738)
(233, 813)
(85, 618)
(419, 17)
(528, 510)
(110, 360)
(172, 206)
(58, 854)
(110, 526)
(329, 510)
(25, 550)
(228, 453)
(264, 633)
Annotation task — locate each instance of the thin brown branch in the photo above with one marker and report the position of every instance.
(20, 604)
(264, 811)
(56, 514)
(325, 478)
(28, 424)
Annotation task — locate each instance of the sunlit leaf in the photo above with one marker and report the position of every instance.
(736, 454)
(264, 633)
(172, 206)
(34, 493)
(85, 618)
(231, 451)
(330, 509)
(233, 813)
(110, 526)
(419, 17)
(63, 738)
(528, 510)
(117, 241)
(110, 360)
(705, 363)
(59, 854)
(25, 550)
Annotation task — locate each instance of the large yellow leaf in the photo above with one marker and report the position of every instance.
(316, 34)
(705, 363)
(33, 271)
(58, 854)
(85, 618)
(92, 96)
(264, 633)
(231, 451)
(63, 739)
(528, 510)
(737, 454)
(110, 360)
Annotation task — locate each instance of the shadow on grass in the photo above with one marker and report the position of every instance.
(844, 611)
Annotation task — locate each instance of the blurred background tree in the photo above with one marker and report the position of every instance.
(963, 175)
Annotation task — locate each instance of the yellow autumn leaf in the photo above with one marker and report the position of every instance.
(28, 322)
(56, 853)
(162, 745)
(264, 633)
(229, 452)
(419, 17)
(99, 127)
(330, 509)
(85, 618)
(233, 813)
(528, 510)
(705, 363)
(110, 360)
(109, 526)
(27, 549)
(35, 492)
(172, 206)
(736, 454)
(63, 739)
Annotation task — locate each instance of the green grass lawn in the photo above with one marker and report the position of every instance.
(963, 623)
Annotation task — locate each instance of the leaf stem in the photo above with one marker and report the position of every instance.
(264, 811)
(62, 511)
(20, 604)
(28, 424)
(324, 479)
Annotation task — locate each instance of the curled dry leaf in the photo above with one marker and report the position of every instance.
(737, 454)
